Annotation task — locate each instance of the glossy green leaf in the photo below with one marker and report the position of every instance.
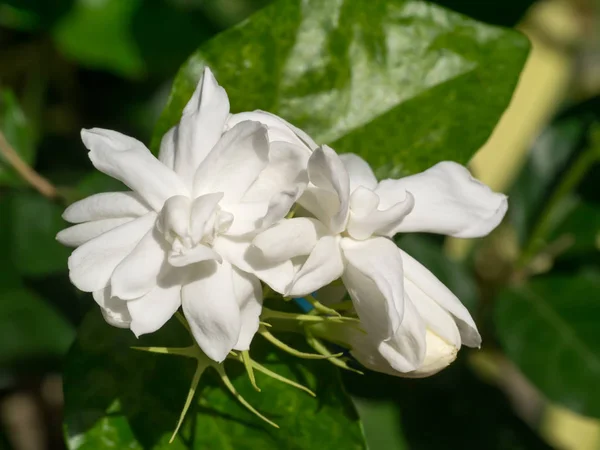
(117, 397)
(405, 85)
(30, 328)
(450, 410)
(98, 34)
(30, 223)
(17, 131)
(549, 328)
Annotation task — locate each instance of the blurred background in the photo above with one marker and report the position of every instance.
(69, 64)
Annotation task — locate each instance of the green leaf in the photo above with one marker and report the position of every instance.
(405, 86)
(452, 273)
(98, 35)
(547, 160)
(29, 223)
(185, 25)
(549, 328)
(30, 328)
(17, 131)
(380, 419)
(117, 397)
(97, 182)
(133, 38)
(227, 14)
(580, 230)
(30, 15)
(451, 410)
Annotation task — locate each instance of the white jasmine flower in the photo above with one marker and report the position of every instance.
(413, 322)
(180, 237)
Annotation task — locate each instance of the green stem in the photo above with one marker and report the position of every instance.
(569, 182)
(271, 314)
(319, 307)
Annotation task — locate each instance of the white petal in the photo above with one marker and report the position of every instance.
(137, 274)
(367, 353)
(448, 200)
(81, 233)
(202, 210)
(279, 207)
(247, 217)
(436, 318)
(107, 205)
(92, 264)
(323, 204)
(407, 347)
(286, 171)
(363, 201)
(248, 293)
(193, 255)
(279, 129)
(150, 312)
(129, 161)
(403, 352)
(440, 354)
(323, 265)
(210, 306)
(424, 281)
(366, 221)
(359, 171)
(251, 218)
(289, 238)
(114, 310)
(201, 126)
(373, 278)
(327, 172)
(248, 258)
(235, 162)
(166, 154)
(175, 216)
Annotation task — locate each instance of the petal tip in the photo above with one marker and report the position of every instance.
(207, 72)
(60, 237)
(134, 329)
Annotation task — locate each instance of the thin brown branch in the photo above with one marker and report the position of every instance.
(31, 176)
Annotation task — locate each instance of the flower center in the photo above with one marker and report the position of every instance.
(191, 226)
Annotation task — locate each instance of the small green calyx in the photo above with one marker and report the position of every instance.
(245, 358)
(203, 362)
(321, 308)
(321, 348)
(320, 321)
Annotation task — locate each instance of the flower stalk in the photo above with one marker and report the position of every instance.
(42, 185)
